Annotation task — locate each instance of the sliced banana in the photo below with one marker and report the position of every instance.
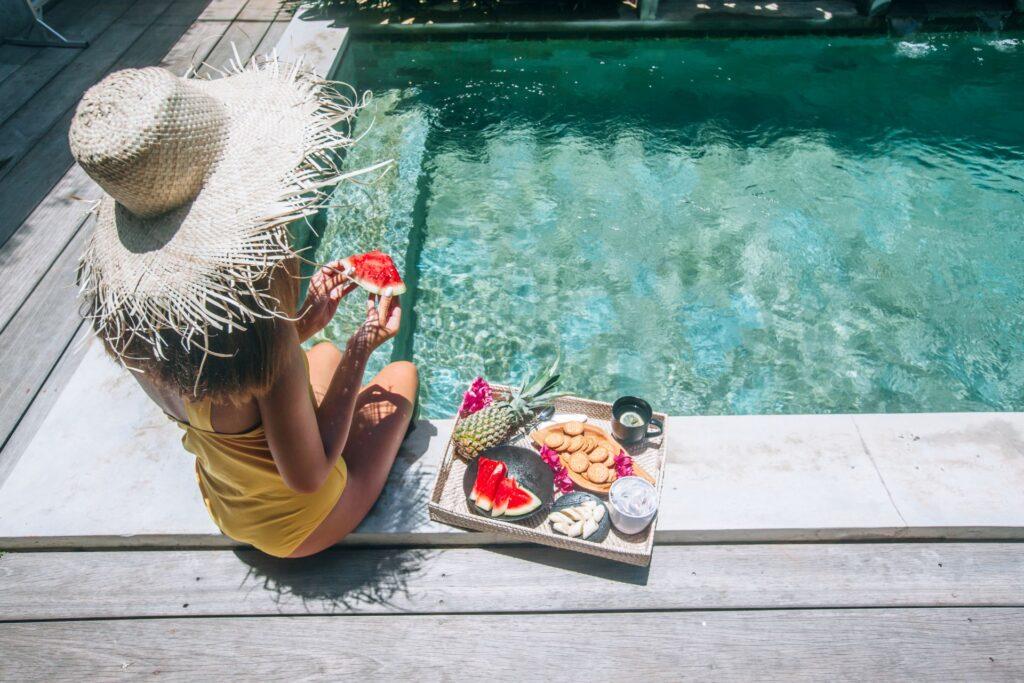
(578, 521)
(559, 517)
(562, 528)
(575, 513)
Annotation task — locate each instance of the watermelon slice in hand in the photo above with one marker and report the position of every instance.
(375, 272)
(488, 475)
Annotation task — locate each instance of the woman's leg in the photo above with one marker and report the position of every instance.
(383, 411)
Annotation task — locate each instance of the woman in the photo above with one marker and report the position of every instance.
(190, 282)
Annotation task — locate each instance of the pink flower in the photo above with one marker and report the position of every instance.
(562, 481)
(477, 398)
(623, 465)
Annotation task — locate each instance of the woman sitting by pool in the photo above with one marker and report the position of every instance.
(190, 282)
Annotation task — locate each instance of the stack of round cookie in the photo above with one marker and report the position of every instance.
(586, 455)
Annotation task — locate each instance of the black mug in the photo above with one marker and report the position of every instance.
(626, 434)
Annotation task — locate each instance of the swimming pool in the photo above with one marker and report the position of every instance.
(722, 226)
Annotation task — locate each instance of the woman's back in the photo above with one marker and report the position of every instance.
(238, 477)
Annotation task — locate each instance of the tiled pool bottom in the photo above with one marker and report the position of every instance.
(794, 225)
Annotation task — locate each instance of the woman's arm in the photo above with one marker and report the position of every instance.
(306, 442)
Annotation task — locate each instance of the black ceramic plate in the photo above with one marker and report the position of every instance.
(526, 467)
(575, 498)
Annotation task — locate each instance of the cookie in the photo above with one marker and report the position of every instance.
(610, 461)
(554, 440)
(573, 428)
(597, 473)
(579, 464)
(564, 446)
(599, 454)
(612, 476)
(589, 442)
(575, 443)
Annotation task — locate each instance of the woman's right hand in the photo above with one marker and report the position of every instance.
(383, 319)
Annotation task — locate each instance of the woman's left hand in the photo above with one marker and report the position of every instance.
(327, 288)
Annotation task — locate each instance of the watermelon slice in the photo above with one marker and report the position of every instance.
(488, 475)
(512, 500)
(375, 272)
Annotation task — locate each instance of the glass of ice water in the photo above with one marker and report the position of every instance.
(633, 504)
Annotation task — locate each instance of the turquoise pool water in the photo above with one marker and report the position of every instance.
(722, 226)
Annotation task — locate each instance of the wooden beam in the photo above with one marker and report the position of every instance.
(70, 585)
(932, 644)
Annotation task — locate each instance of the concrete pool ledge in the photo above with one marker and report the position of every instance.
(106, 469)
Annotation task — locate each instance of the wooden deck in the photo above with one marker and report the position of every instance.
(940, 611)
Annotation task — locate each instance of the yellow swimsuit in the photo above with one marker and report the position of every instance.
(245, 494)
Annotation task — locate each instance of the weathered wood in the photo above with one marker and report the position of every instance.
(242, 37)
(62, 585)
(222, 10)
(194, 46)
(86, 20)
(260, 10)
(919, 644)
(13, 56)
(270, 39)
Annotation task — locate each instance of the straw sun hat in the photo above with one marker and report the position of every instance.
(201, 178)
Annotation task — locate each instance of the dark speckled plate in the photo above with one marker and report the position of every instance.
(525, 466)
(575, 498)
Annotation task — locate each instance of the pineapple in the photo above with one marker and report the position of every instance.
(497, 422)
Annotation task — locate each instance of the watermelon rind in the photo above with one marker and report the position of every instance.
(502, 493)
(525, 508)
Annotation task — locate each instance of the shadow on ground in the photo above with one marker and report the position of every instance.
(576, 562)
(338, 580)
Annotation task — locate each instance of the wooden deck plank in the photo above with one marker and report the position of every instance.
(13, 56)
(919, 644)
(84, 19)
(194, 46)
(260, 10)
(241, 36)
(222, 10)
(270, 38)
(70, 585)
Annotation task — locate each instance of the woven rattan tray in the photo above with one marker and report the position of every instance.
(448, 500)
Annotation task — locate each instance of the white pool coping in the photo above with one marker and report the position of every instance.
(106, 469)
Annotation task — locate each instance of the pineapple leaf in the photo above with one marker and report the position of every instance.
(543, 381)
